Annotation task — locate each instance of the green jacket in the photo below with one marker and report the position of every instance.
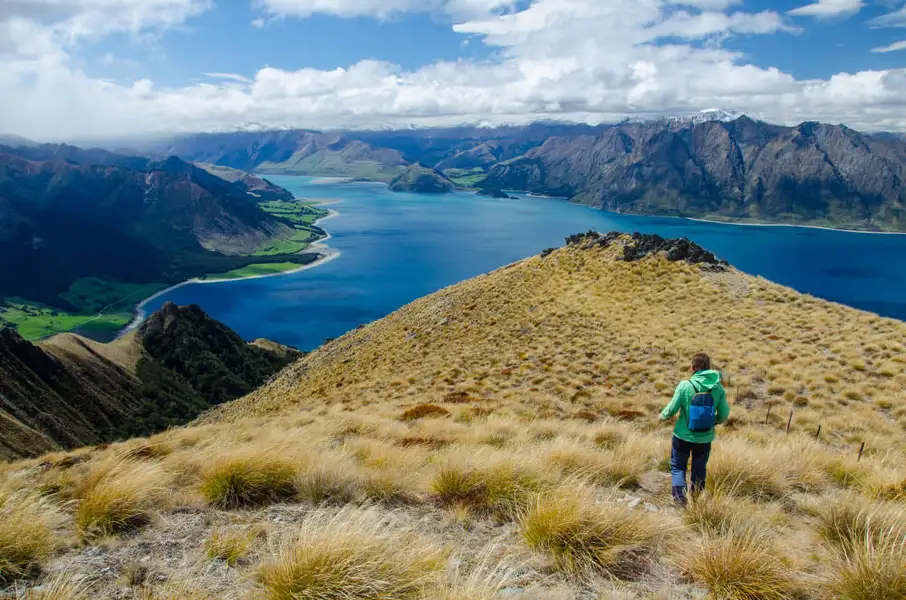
(701, 380)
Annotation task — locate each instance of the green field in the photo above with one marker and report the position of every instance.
(299, 212)
(101, 307)
(302, 216)
(466, 177)
(254, 270)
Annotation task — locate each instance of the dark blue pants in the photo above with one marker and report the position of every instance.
(679, 460)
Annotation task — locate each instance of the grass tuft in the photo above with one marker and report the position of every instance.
(237, 481)
(739, 565)
(123, 498)
(64, 586)
(229, 546)
(871, 568)
(27, 523)
(353, 553)
(585, 539)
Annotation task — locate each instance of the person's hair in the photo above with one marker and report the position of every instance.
(701, 362)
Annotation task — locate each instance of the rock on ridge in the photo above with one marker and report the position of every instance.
(637, 246)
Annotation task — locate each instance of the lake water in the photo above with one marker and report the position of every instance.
(397, 247)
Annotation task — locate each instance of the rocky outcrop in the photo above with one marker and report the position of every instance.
(637, 246)
(422, 180)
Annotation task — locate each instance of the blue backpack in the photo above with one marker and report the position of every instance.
(701, 411)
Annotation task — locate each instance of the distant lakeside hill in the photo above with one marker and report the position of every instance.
(84, 233)
(716, 165)
(69, 391)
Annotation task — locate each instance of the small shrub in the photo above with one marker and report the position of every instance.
(352, 554)
(27, 524)
(423, 411)
(228, 546)
(460, 398)
(123, 499)
(742, 565)
(239, 481)
(585, 539)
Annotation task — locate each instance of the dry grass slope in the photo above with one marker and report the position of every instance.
(502, 434)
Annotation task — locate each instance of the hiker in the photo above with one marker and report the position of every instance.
(702, 403)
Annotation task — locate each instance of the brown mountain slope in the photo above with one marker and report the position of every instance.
(580, 330)
(63, 391)
(68, 391)
(499, 440)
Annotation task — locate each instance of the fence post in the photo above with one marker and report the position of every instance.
(818, 433)
(789, 422)
(768, 416)
(861, 449)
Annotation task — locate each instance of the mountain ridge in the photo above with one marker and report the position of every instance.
(69, 391)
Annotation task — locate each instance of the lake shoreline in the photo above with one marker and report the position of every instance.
(325, 255)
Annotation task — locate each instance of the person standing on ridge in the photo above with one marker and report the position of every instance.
(702, 404)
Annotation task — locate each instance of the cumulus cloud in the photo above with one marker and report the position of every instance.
(825, 9)
(583, 60)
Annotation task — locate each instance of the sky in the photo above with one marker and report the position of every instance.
(84, 69)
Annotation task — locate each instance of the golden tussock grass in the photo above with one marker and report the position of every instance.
(487, 576)
(352, 553)
(870, 568)
(239, 479)
(27, 532)
(584, 538)
(63, 586)
(124, 498)
(230, 546)
(740, 564)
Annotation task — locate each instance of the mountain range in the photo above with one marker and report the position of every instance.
(67, 214)
(715, 165)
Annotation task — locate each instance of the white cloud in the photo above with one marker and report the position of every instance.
(587, 60)
(825, 9)
(896, 18)
(383, 9)
(228, 76)
(892, 47)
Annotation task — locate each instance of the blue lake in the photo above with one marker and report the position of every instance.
(398, 247)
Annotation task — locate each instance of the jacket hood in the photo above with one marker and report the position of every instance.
(705, 380)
